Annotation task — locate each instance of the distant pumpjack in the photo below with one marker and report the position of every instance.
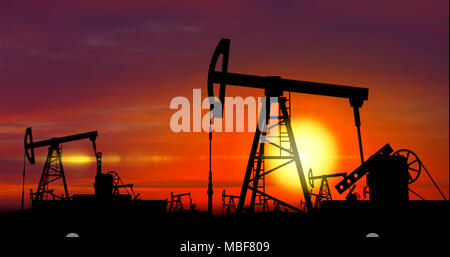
(324, 190)
(176, 203)
(53, 167)
(229, 206)
(274, 87)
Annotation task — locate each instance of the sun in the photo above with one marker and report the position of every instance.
(317, 149)
(78, 159)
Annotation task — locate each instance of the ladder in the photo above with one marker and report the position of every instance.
(261, 200)
(283, 137)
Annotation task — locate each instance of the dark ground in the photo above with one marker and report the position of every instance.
(339, 229)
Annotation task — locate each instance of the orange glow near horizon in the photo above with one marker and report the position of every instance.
(115, 70)
(317, 149)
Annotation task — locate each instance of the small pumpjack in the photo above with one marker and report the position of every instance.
(324, 190)
(107, 185)
(229, 206)
(53, 170)
(176, 203)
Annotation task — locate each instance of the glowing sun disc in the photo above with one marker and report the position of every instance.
(317, 150)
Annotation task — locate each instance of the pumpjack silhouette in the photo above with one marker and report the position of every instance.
(389, 175)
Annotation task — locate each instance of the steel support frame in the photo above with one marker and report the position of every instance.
(260, 139)
(324, 192)
(58, 173)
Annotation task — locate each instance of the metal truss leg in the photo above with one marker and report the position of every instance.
(296, 154)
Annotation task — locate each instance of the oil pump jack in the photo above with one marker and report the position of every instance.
(274, 87)
(107, 185)
(324, 190)
(53, 167)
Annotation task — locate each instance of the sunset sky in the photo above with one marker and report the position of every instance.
(114, 67)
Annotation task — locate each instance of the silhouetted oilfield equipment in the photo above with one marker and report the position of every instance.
(108, 186)
(176, 203)
(110, 211)
(118, 184)
(228, 204)
(324, 190)
(53, 167)
(389, 175)
(352, 195)
(274, 87)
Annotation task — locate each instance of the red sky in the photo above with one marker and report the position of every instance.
(114, 67)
